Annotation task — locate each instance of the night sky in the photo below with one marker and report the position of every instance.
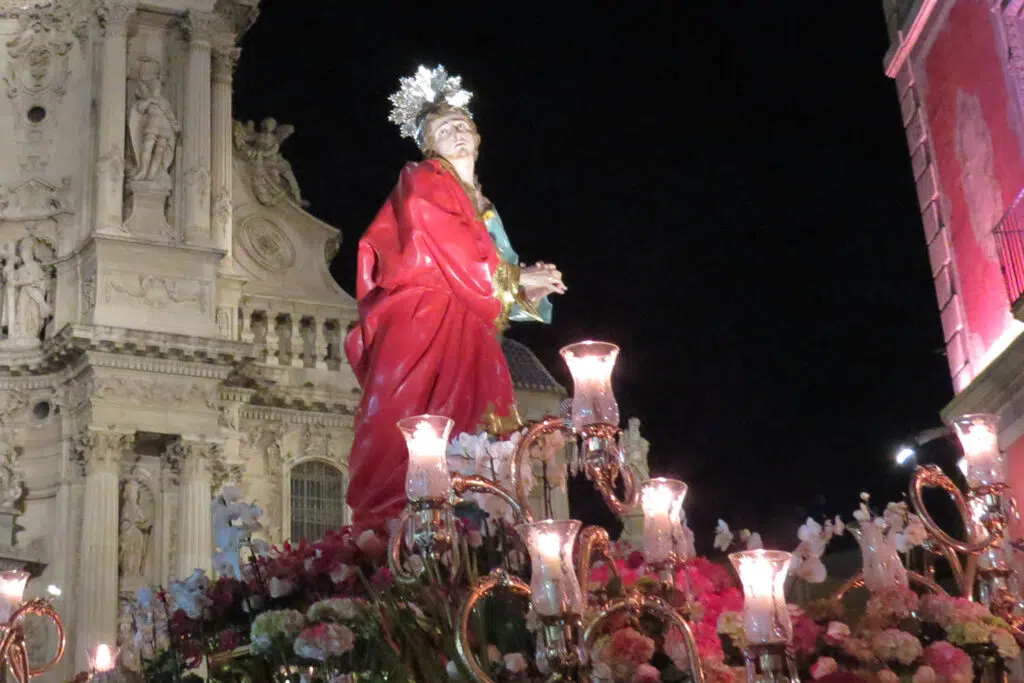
(727, 191)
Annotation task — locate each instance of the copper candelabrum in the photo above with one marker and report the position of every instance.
(14, 650)
(568, 629)
(980, 564)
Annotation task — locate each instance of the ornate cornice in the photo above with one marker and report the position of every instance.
(294, 417)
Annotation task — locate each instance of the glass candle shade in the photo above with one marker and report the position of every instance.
(103, 659)
(12, 591)
(765, 615)
(426, 437)
(553, 583)
(662, 502)
(593, 401)
(979, 437)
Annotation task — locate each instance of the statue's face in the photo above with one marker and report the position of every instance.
(453, 136)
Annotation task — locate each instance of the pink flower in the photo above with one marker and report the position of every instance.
(823, 667)
(924, 674)
(324, 640)
(836, 633)
(630, 646)
(948, 661)
(892, 605)
(805, 634)
(887, 676)
(645, 673)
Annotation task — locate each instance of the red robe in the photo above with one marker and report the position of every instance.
(427, 339)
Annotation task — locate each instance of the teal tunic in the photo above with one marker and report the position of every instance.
(509, 255)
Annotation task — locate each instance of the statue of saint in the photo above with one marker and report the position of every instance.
(135, 527)
(273, 176)
(12, 479)
(25, 305)
(153, 130)
(437, 282)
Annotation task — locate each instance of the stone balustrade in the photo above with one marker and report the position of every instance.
(287, 333)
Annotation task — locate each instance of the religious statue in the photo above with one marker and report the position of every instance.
(636, 448)
(135, 529)
(437, 282)
(12, 479)
(153, 131)
(25, 284)
(272, 177)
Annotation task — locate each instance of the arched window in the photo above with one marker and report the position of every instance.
(318, 500)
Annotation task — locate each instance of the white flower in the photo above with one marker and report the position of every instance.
(453, 670)
(915, 532)
(515, 663)
(281, 587)
(865, 496)
(812, 570)
(723, 537)
(754, 541)
(862, 514)
(190, 595)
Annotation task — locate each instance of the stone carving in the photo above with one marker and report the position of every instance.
(221, 213)
(114, 13)
(267, 243)
(272, 176)
(12, 478)
(156, 291)
(636, 448)
(152, 127)
(35, 200)
(128, 655)
(88, 293)
(197, 182)
(224, 61)
(24, 305)
(143, 391)
(136, 527)
(38, 55)
(101, 451)
(229, 416)
(13, 404)
(198, 26)
(321, 443)
(74, 392)
(224, 314)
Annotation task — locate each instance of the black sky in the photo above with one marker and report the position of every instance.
(725, 187)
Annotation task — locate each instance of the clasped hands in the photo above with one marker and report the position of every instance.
(539, 280)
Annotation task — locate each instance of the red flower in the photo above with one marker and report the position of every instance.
(635, 560)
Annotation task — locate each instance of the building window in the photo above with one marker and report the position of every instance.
(318, 500)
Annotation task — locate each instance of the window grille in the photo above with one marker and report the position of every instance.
(318, 500)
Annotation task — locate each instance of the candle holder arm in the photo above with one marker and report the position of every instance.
(548, 425)
(398, 571)
(637, 603)
(604, 469)
(594, 544)
(474, 483)
(857, 581)
(12, 645)
(497, 579)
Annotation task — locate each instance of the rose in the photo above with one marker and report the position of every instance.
(924, 674)
(836, 632)
(823, 667)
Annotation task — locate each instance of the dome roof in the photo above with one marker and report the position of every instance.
(528, 373)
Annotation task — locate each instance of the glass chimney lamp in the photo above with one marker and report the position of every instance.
(12, 592)
(555, 589)
(979, 438)
(426, 437)
(766, 619)
(662, 503)
(591, 364)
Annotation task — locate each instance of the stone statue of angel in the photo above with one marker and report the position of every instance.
(273, 176)
(153, 131)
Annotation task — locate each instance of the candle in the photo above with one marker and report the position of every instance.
(553, 583)
(426, 437)
(979, 438)
(12, 591)
(103, 659)
(662, 502)
(765, 615)
(591, 364)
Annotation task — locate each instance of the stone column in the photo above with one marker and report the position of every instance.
(224, 60)
(195, 526)
(97, 584)
(196, 129)
(109, 193)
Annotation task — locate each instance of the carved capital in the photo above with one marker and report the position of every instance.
(198, 27)
(113, 15)
(225, 59)
(98, 451)
(195, 460)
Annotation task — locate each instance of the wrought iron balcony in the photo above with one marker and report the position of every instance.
(1009, 237)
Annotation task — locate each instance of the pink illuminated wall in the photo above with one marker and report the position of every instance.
(974, 128)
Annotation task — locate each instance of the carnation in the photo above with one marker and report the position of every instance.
(1005, 643)
(322, 641)
(333, 609)
(948, 661)
(275, 628)
(894, 645)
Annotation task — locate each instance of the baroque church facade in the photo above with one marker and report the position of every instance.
(168, 321)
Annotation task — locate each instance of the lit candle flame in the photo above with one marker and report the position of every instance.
(103, 660)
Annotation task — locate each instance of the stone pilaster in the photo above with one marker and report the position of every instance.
(195, 460)
(198, 28)
(100, 453)
(224, 61)
(113, 15)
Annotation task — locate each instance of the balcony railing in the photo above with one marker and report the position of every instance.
(1009, 237)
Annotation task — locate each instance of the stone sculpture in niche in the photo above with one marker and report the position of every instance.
(272, 176)
(136, 526)
(153, 130)
(12, 479)
(25, 306)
